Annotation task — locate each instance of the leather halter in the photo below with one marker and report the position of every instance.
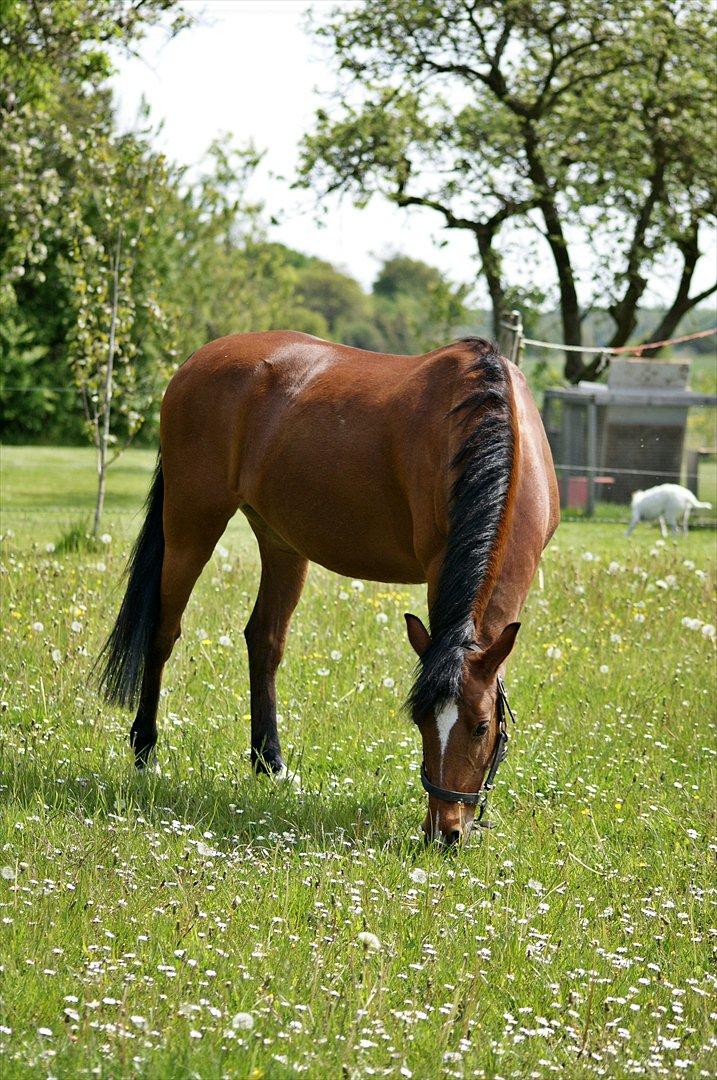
(479, 798)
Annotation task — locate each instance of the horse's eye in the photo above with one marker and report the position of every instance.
(480, 730)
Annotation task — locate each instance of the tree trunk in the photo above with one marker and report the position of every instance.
(569, 307)
(491, 264)
(107, 397)
(682, 302)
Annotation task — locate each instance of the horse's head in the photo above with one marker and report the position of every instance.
(463, 738)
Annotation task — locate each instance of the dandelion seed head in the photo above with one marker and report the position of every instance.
(243, 1021)
(370, 942)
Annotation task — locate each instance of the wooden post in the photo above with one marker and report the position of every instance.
(591, 455)
(693, 471)
(511, 337)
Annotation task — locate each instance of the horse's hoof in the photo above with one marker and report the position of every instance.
(288, 778)
(280, 774)
(146, 767)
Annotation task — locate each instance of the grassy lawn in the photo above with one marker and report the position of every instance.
(201, 923)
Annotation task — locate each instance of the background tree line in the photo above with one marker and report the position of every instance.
(115, 265)
(591, 120)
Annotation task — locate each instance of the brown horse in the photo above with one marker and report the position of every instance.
(429, 468)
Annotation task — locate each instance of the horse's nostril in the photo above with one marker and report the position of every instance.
(453, 837)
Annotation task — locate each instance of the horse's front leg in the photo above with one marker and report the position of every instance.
(283, 573)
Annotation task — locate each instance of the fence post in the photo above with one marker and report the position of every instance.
(693, 470)
(511, 337)
(591, 455)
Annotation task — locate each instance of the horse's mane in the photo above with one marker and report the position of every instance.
(484, 467)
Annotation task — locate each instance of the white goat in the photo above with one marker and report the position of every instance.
(669, 503)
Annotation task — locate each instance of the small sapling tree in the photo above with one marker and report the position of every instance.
(114, 284)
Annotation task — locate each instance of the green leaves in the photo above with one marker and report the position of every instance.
(591, 120)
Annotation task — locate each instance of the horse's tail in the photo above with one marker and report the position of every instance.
(126, 650)
(700, 505)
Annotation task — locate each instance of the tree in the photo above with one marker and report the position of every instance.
(54, 113)
(114, 287)
(585, 121)
(416, 309)
(338, 297)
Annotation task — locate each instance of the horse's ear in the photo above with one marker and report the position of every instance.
(417, 634)
(490, 660)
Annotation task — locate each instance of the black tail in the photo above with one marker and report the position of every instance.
(126, 650)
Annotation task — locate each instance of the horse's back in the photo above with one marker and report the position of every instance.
(320, 440)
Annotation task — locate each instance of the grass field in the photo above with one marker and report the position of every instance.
(202, 923)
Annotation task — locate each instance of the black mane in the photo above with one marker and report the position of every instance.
(484, 465)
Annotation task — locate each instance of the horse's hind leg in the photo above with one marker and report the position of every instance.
(185, 555)
(283, 573)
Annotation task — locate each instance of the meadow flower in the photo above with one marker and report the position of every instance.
(382, 617)
(691, 624)
(638, 617)
(222, 552)
(389, 683)
(709, 631)
(553, 652)
(106, 538)
(56, 656)
(418, 876)
(343, 595)
(243, 1021)
(225, 641)
(100, 567)
(49, 548)
(335, 654)
(616, 639)
(358, 585)
(604, 669)
(322, 671)
(75, 626)
(588, 556)
(7, 873)
(369, 941)
(38, 627)
(139, 1021)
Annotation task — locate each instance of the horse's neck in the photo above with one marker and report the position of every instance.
(527, 535)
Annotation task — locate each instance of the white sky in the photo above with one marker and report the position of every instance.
(248, 70)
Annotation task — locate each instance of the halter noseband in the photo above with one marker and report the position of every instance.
(479, 798)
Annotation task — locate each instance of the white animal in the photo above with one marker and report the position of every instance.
(669, 503)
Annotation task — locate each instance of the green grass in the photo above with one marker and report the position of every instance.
(138, 917)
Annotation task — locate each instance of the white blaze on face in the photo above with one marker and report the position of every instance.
(445, 722)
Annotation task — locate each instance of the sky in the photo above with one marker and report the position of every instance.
(248, 70)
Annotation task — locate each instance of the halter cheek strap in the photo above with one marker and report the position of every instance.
(478, 798)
